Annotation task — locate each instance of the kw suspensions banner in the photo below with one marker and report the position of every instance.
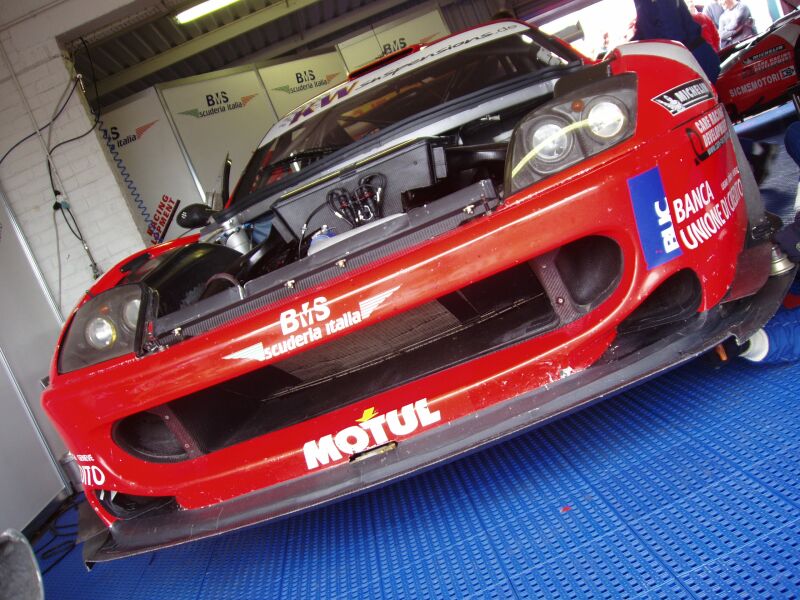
(226, 112)
(155, 176)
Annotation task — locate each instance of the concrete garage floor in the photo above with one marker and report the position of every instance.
(687, 486)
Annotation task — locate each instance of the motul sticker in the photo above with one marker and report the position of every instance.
(684, 96)
(372, 429)
(310, 322)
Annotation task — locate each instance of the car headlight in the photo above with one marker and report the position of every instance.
(569, 129)
(606, 118)
(101, 333)
(552, 141)
(105, 327)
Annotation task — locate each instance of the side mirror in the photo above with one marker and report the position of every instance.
(194, 215)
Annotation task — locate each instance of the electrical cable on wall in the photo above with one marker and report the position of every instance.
(59, 204)
(43, 127)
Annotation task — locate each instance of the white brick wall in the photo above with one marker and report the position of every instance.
(89, 184)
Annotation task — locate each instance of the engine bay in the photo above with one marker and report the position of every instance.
(357, 212)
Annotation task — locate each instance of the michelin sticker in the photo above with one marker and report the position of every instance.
(372, 430)
(684, 96)
(668, 227)
(311, 322)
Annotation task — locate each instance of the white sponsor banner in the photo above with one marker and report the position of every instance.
(217, 115)
(391, 37)
(289, 84)
(156, 178)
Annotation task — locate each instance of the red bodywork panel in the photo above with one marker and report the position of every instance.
(763, 72)
(682, 143)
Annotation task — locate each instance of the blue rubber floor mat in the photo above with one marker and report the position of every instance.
(687, 486)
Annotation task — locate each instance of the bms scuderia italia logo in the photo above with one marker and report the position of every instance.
(216, 103)
(113, 134)
(311, 322)
(307, 80)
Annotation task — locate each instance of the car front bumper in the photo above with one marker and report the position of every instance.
(626, 363)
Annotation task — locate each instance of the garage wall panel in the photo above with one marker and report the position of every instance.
(29, 443)
(156, 177)
(218, 114)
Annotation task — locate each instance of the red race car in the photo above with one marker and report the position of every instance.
(457, 244)
(761, 72)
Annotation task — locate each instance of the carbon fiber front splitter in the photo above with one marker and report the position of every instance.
(618, 371)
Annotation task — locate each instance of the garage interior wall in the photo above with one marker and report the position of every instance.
(28, 32)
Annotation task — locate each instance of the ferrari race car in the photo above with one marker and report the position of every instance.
(761, 72)
(459, 243)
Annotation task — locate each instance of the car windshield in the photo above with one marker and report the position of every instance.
(416, 90)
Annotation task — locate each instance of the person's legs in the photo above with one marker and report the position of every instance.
(792, 141)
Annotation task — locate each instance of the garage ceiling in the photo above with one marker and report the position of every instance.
(146, 47)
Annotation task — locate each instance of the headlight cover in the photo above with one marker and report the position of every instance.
(105, 327)
(571, 128)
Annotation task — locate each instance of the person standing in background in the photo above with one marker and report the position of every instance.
(670, 20)
(707, 26)
(713, 10)
(735, 23)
